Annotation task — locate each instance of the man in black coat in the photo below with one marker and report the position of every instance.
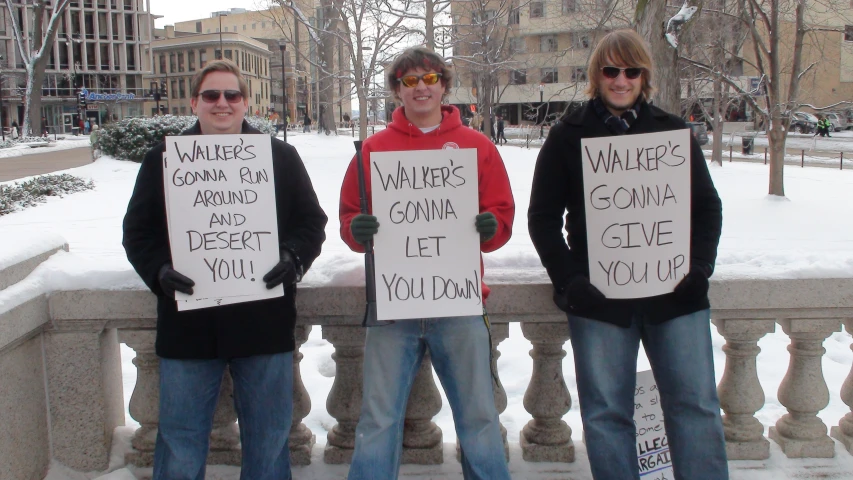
(254, 339)
(606, 333)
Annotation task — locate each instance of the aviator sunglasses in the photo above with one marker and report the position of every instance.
(212, 96)
(631, 73)
(411, 81)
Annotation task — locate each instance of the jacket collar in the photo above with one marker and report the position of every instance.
(587, 118)
(450, 119)
(196, 129)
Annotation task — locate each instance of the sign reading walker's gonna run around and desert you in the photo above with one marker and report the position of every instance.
(427, 248)
(637, 190)
(220, 203)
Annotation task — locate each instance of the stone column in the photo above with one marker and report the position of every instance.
(344, 402)
(547, 438)
(145, 400)
(225, 436)
(83, 366)
(422, 439)
(740, 390)
(803, 391)
(844, 431)
(301, 438)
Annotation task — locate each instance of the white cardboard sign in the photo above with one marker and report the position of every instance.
(427, 250)
(652, 443)
(221, 210)
(637, 198)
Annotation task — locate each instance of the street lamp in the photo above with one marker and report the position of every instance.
(221, 51)
(541, 101)
(282, 45)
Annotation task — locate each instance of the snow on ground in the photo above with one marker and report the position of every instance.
(808, 234)
(61, 142)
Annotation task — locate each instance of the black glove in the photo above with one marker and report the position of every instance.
(578, 295)
(172, 281)
(487, 226)
(694, 286)
(285, 272)
(364, 227)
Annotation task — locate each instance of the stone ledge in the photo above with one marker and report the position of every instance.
(23, 321)
(19, 271)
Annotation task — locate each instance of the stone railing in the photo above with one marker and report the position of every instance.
(70, 340)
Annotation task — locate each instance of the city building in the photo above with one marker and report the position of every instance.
(98, 52)
(278, 28)
(178, 56)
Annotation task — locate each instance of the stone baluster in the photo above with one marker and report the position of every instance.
(145, 400)
(547, 438)
(225, 436)
(344, 401)
(422, 438)
(740, 390)
(844, 431)
(803, 391)
(301, 438)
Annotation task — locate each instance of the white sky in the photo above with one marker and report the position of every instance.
(173, 11)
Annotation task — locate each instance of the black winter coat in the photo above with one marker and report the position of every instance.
(252, 328)
(558, 187)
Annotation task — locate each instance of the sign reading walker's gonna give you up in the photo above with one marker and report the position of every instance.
(637, 197)
(223, 229)
(427, 251)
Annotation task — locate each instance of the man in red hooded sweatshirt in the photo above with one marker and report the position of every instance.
(459, 346)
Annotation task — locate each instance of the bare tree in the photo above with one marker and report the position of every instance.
(368, 33)
(35, 53)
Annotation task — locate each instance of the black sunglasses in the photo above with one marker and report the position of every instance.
(212, 96)
(631, 73)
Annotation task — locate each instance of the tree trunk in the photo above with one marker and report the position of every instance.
(776, 136)
(325, 117)
(717, 147)
(362, 115)
(429, 28)
(666, 78)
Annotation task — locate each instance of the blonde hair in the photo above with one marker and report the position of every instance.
(624, 47)
(218, 66)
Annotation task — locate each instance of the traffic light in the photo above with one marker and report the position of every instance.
(81, 100)
(163, 109)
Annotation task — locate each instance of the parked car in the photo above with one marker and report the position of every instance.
(699, 131)
(838, 121)
(802, 122)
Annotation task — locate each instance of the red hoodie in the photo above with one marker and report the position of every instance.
(494, 190)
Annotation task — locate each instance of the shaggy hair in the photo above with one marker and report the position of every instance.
(621, 47)
(419, 57)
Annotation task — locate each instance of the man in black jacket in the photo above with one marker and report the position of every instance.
(606, 333)
(254, 339)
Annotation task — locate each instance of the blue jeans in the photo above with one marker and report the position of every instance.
(263, 399)
(461, 354)
(681, 357)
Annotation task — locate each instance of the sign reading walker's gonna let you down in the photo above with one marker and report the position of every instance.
(652, 443)
(637, 197)
(427, 250)
(223, 229)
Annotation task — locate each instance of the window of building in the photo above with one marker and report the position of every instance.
(548, 43)
(173, 63)
(181, 61)
(263, 25)
(570, 6)
(197, 27)
(848, 32)
(514, 16)
(191, 60)
(175, 111)
(183, 110)
(162, 63)
(202, 58)
(549, 75)
(217, 54)
(254, 26)
(174, 89)
(181, 89)
(537, 9)
(244, 27)
(482, 16)
(580, 40)
(228, 54)
(517, 45)
(518, 77)
(579, 74)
